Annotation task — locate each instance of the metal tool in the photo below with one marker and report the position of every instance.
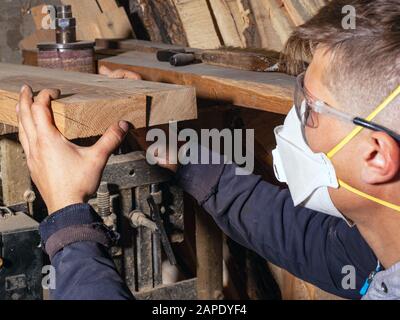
(67, 53)
(161, 230)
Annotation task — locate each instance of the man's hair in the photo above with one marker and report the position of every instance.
(365, 62)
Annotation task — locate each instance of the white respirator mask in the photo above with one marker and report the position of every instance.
(307, 174)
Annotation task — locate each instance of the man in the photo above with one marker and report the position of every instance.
(352, 79)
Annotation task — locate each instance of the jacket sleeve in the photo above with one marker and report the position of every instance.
(84, 269)
(313, 246)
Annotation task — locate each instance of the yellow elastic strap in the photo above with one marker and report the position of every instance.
(357, 130)
(348, 138)
(369, 197)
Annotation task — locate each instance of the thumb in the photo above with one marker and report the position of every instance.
(111, 139)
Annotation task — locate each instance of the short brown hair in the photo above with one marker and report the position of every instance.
(365, 63)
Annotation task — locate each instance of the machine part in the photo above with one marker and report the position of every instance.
(131, 170)
(67, 53)
(30, 197)
(161, 230)
(133, 180)
(103, 200)
(156, 193)
(65, 25)
(139, 219)
(5, 210)
(20, 275)
(104, 206)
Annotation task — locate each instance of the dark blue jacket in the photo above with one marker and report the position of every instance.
(313, 246)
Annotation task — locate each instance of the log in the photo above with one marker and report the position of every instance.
(161, 21)
(91, 103)
(264, 91)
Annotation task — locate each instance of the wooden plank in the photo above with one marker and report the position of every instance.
(265, 91)
(268, 36)
(226, 15)
(94, 21)
(91, 103)
(280, 20)
(209, 257)
(85, 13)
(301, 11)
(198, 24)
(114, 24)
(107, 5)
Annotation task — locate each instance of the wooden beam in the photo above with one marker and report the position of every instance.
(257, 90)
(91, 103)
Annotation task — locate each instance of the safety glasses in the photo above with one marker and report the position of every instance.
(308, 107)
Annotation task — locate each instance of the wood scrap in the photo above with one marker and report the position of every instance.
(198, 24)
(89, 104)
(264, 91)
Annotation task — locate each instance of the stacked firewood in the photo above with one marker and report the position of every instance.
(211, 24)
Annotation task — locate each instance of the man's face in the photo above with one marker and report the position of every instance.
(329, 132)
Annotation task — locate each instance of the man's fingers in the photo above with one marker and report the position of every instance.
(46, 95)
(22, 135)
(41, 110)
(24, 113)
(125, 74)
(110, 140)
(119, 74)
(103, 70)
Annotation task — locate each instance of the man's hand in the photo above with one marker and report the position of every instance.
(64, 173)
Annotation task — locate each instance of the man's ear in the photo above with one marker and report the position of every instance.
(381, 160)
